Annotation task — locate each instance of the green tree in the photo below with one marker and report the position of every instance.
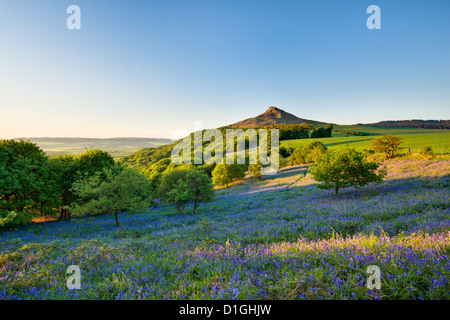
(169, 182)
(255, 171)
(224, 174)
(72, 168)
(283, 151)
(322, 132)
(200, 186)
(387, 144)
(113, 190)
(26, 179)
(155, 171)
(315, 134)
(179, 195)
(93, 161)
(11, 219)
(306, 154)
(207, 168)
(328, 129)
(182, 186)
(67, 169)
(345, 169)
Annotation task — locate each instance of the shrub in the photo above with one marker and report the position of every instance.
(306, 154)
(369, 152)
(427, 152)
(387, 144)
(255, 171)
(315, 134)
(207, 168)
(11, 219)
(283, 152)
(224, 174)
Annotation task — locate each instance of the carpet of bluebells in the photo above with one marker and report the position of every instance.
(296, 242)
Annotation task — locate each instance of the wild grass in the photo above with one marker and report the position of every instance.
(414, 142)
(277, 240)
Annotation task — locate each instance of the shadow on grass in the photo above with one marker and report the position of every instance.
(346, 142)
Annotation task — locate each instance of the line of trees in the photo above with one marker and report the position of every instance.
(92, 183)
(415, 123)
(145, 158)
(322, 132)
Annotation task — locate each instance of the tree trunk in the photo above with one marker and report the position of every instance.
(65, 213)
(117, 219)
(196, 203)
(336, 190)
(180, 207)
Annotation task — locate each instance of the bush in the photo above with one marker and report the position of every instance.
(306, 154)
(11, 219)
(224, 174)
(207, 168)
(427, 152)
(369, 152)
(345, 169)
(285, 152)
(321, 132)
(315, 134)
(387, 144)
(255, 171)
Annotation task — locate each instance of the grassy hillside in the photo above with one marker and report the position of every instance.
(281, 238)
(144, 158)
(416, 139)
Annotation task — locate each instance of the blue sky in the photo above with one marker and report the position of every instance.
(146, 68)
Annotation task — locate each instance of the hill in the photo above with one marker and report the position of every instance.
(274, 116)
(146, 157)
(355, 136)
(422, 124)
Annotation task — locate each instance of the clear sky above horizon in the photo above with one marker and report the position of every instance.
(147, 68)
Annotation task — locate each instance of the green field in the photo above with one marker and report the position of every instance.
(416, 139)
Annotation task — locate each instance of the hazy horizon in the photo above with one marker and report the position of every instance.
(169, 138)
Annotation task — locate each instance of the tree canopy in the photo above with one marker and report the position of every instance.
(339, 170)
(387, 144)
